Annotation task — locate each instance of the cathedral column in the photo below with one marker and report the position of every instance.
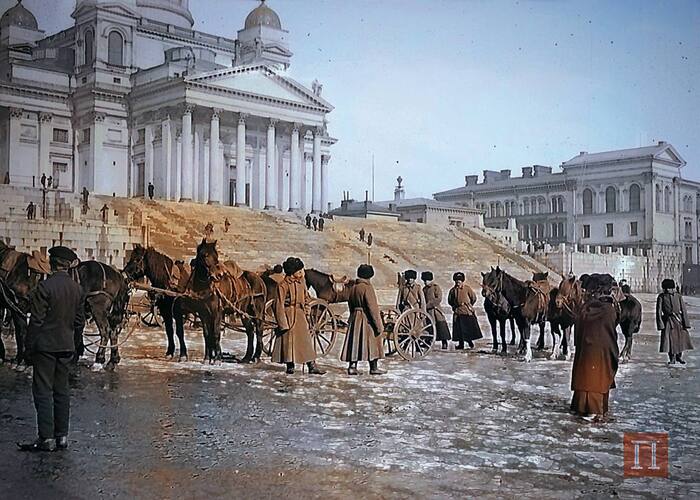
(316, 180)
(149, 157)
(324, 182)
(271, 169)
(186, 185)
(240, 162)
(167, 147)
(295, 171)
(178, 167)
(13, 163)
(197, 163)
(305, 159)
(215, 166)
(45, 136)
(206, 173)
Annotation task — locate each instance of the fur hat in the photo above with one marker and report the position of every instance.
(410, 274)
(426, 276)
(598, 284)
(278, 269)
(668, 284)
(292, 265)
(365, 271)
(458, 276)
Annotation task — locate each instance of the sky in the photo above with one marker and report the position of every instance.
(438, 89)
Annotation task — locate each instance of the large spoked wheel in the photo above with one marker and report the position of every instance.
(389, 317)
(269, 327)
(151, 315)
(414, 334)
(93, 341)
(324, 327)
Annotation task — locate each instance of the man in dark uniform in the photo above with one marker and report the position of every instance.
(151, 190)
(314, 221)
(308, 221)
(56, 312)
(320, 224)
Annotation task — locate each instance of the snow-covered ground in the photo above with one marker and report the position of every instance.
(450, 425)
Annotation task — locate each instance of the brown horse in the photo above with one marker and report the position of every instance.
(332, 289)
(214, 291)
(564, 305)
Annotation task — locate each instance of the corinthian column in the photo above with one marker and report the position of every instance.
(240, 163)
(295, 171)
(271, 168)
(316, 174)
(215, 173)
(187, 177)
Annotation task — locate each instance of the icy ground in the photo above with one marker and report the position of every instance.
(452, 425)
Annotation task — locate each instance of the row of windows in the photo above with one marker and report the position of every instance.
(610, 229)
(115, 48)
(611, 201)
(557, 231)
(528, 206)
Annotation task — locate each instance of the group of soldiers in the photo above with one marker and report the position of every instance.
(316, 222)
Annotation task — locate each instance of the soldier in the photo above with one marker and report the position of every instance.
(363, 341)
(226, 225)
(362, 234)
(465, 327)
(31, 211)
(320, 224)
(43, 180)
(308, 221)
(370, 239)
(86, 195)
(672, 322)
(56, 312)
(410, 294)
(104, 211)
(151, 190)
(293, 342)
(315, 223)
(433, 301)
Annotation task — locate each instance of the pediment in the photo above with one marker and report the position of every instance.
(260, 81)
(670, 154)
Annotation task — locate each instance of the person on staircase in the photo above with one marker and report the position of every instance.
(433, 302)
(151, 190)
(293, 341)
(104, 211)
(362, 234)
(308, 221)
(314, 221)
(370, 239)
(31, 211)
(465, 327)
(410, 294)
(321, 223)
(364, 340)
(227, 224)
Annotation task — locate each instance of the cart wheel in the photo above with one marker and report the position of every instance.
(269, 327)
(324, 327)
(414, 334)
(152, 318)
(389, 317)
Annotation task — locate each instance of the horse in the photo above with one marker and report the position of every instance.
(542, 280)
(17, 278)
(332, 289)
(565, 302)
(162, 272)
(527, 300)
(630, 322)
(213, 291)
(498, 311)
(106, 295)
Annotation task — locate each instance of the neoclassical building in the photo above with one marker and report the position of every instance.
(131, 94)
(635, 199)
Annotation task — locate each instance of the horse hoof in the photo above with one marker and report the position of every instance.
(182, 358)
(169, 356)
(110, 367)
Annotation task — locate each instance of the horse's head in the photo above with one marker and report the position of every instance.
(207, 255)
(136, 267)
(540, 276)
(338, 282)
(569, 289)
(491, 285)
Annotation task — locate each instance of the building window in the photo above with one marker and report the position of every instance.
(526, 207)
(89, 50)
(609, 231)
(635, 198)
(633, 228)
(688, 229)
(60, 135)
(687, 204)
(586, 231)
(541, 206)
(610, 200)
(587, 201)
(86, 136)
(688, 255)
(115, 49)
(667, 200)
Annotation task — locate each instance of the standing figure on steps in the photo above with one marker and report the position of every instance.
(209, 232)
(320, 224)
(410, 294)
(465, 327)
(314, 221)
(433, 302)
(364, 341)
(672, 322)
(293, 342)
(227, 224)
(308, 221)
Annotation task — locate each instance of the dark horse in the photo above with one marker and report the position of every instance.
(527, 300)
(17, 279)
(106, 299)
(498, 311)
(542, 281)
(630, 322)
(214, 291)
(328, 287)
(162, 272)
(565, 302)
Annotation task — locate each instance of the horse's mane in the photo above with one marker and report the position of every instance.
(159, 266)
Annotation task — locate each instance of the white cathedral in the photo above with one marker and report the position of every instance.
(130, 95)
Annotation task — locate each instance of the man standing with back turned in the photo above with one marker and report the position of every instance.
(56, 311)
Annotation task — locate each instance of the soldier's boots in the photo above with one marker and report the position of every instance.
(679, 358)
(314, 369)
(62, 442)
(39, 444)
(374, 368)
(444, 345)
(290, 368)
(352, 368)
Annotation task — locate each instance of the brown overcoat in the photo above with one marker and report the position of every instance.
(672, 321)
(433, 305)
(465, 326)
(364, 340)
(291, 308)
(410, 297)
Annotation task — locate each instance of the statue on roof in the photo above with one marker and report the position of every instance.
(316, 87)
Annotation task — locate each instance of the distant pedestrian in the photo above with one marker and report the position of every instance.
(43, 181)
(314, 221)
(362, 234)
(226, 225)
(7, 178)
(208, 231)
(370, 239)
(321, 223)
(308, 221)
(31, 211)
(49, 182)
(104, 211)
(56, 312)
(673, 323)
(151, 190)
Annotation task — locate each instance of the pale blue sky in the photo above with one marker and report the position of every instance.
(438, 89)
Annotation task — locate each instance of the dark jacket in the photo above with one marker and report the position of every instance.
(57, 310)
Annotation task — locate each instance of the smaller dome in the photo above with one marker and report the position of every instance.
(19, 16)
(263, 15)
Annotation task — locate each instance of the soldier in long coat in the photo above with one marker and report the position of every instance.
(597, 355)
(672, 322)
(410, 294)
(293, 342)
(433, 302)
(465, 327)
(363, 341)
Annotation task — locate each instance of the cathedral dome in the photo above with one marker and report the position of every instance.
(263, 15)
(19, 16)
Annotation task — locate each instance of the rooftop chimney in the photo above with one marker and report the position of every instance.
(583, 153)
(527, 172)
(399, 193)
(661, 143)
